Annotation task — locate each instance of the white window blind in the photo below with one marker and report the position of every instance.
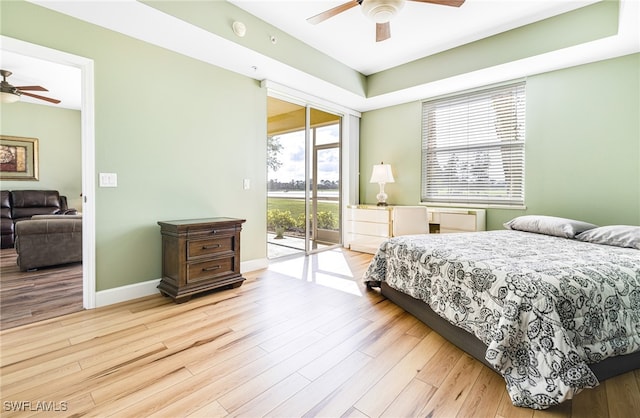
(473, 147)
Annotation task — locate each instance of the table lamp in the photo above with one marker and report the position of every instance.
(382, 174)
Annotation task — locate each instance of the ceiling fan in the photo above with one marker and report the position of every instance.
(380, 11)
(11, 94)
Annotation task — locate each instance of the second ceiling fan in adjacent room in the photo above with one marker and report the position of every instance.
(10, 93)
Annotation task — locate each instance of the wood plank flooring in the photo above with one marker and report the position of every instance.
(32, 296)
(302, 338)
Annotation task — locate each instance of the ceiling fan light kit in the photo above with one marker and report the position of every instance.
(381, 11)
(8, 97)
(8, 93)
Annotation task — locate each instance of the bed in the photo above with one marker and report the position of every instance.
(553, 305)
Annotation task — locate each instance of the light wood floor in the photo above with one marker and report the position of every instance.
(302, 338)
(32, 296)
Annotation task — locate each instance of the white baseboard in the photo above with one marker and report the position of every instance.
(125, 293)
(253, 265)
(148, 288)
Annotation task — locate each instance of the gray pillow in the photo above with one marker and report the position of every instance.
(618, 235)
(549, 225)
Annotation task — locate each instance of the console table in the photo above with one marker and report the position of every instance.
(199, 255)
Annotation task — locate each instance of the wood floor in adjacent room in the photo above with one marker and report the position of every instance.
(32, 296)
(302, 338)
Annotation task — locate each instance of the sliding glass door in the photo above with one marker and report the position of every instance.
(303, 208)
(325, 175)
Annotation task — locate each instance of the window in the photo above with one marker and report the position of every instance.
(473, 147)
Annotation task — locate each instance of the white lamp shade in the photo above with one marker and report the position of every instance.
(382, 174)
(8, 97)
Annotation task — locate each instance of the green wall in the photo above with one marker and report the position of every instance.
(59, 144)
(582, 149)
(181, 135)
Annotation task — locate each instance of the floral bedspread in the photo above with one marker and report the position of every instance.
(545, 306)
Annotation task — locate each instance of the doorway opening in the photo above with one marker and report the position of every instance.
(86, 204)
(303, 180)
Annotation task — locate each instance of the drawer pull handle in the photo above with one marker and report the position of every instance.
(211, 268)
(214, 232)
(209, 247)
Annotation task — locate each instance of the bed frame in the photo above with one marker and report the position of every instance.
(468, 342)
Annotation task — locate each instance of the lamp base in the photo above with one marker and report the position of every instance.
(382, 196)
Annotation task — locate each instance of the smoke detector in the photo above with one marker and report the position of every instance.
(239, 28)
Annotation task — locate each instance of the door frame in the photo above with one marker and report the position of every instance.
(87, 132)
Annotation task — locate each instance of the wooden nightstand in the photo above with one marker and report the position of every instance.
(199, 255)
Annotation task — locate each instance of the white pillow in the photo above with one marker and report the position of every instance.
(618, 235)
(549, 225)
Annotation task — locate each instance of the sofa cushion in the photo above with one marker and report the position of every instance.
(35, 198)
(27, 203)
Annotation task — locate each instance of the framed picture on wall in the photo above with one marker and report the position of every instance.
(18, 158)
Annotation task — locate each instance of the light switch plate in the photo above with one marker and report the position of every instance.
(108, 180)
(246, 184)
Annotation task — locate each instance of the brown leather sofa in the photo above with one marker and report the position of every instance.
(18, 205)
(48, 240)
(6, 223)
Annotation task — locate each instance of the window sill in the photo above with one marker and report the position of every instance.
(470, 205)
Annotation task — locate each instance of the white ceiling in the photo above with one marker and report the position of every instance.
(420, 29)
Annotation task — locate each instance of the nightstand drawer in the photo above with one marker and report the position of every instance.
(204, 248)
(368, 215)
(458, 221)
(208, 270)
(369, 228)
(197, 233)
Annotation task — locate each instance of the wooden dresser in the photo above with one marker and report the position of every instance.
(199, 255)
